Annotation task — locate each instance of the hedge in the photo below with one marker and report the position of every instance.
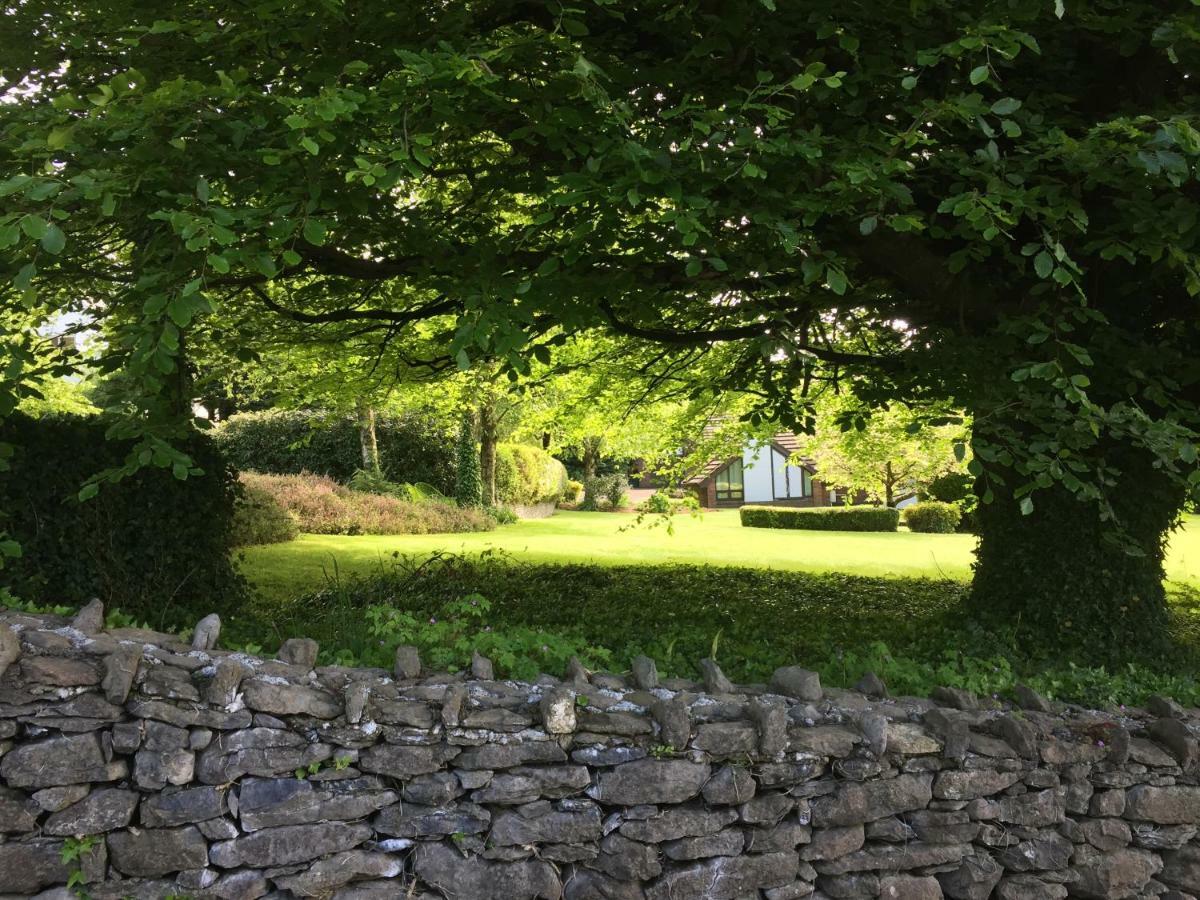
(932, 517)
(526, 475)
(287, 442)
(822, 518)
(151, 544)
(322, 506)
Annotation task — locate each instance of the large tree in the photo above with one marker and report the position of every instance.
(991, 203)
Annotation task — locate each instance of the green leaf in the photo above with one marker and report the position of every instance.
(909, 82)
(979, 74)
(34, 226)
(1026, 506)
(960, 451)
(315, 232)
(59, 137)
(463, 361)
(218, 263)
(310, 145)
(1043, 264)
(693, 268)
(1006, 106)
(88, 491)
(54, 240)
(836, 279)
(1060, 8)
(202, 189)
(867, 225)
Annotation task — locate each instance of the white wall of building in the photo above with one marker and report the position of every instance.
(767, 475)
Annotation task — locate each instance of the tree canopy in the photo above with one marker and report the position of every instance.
(993, 204)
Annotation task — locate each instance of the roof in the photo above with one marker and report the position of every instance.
(785, 440)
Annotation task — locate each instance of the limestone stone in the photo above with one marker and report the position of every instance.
(856, 803)
(1171, 805)
(326, 875)
(1103, 874)
(969, 784)
(435, 789)
(72, 759)
(725, 877)
(715, 681)
(973, 880)
(151, 852)
(446, 870)
(781, 836)
(908, 887)
(894, 858)
(525, 784)
(1181, 868)
(794, 681)
(90, 619)
(256, 751)
(182, 807)
(105, 809)
(481, 667)
(299, 652)
(288, 844)
(651, 781)
(723, 740)
(1178, 738)
(56, 798)
(28, 866)
(505, 756)
(1029, 887)
(629, 860)
(412, 820)
(155, 769)
(399, 761)
(550, 826)
(228, 674)
(59, 671)
(558, 711)
(267, 696)
(271, 802)
(645, 673)
(674, 722)
(729, 842)
(407, 662)
(207, 633)
(730, 785)
(678, 822)
(830, 843)
(823, 740)
(18, 811)
(10, 648)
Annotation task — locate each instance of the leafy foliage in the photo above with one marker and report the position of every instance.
(152, 544)
(320, 505)
(931, 517)
(821, 518)
(412, 448)
(911, 631)
(258, 518)
(528, 475)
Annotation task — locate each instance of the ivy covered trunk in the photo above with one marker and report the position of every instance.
(488, 438)
(1064, 580)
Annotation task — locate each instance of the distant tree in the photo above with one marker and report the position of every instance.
(468, 489)
(886, 454)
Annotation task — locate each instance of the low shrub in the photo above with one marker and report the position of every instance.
(912, 632)
(956, 488)
(573, 493)
(322, 506)
(932, 517)
(659, 503)
(605, 491)
(503, 515)
(528, 475)
(412, 448)
(258, 518)
(374, 481)
(821, 518)
(152, 543)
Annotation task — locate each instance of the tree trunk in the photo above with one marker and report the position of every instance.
(367, 438)
(889, 486)
(1059, 581)
(546, 441)
(488, 438)
(591, 455)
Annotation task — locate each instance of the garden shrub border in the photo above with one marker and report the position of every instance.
(821, 518)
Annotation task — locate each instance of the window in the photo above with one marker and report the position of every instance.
(729, 482)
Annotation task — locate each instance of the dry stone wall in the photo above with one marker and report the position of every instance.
(137, 766)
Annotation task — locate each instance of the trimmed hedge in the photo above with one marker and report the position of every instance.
(151, 544)
(821, 518)
(527, 475)
(932, 517)
(286, 442)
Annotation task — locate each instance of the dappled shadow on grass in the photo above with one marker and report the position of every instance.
(914, 632)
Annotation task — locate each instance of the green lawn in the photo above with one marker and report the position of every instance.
(716, 538)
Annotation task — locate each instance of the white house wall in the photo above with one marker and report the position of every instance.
(789, 480)
(756, 472)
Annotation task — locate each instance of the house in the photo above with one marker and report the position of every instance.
(761, 474)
